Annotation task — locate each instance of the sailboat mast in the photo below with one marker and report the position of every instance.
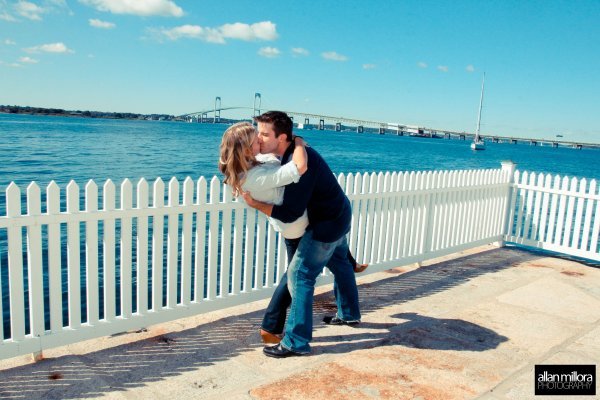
(480, 105)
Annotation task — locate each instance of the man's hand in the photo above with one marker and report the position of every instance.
(264, 208)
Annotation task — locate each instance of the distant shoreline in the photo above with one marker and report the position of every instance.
(84, 114)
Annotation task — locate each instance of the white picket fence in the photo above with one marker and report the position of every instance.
(128, 266)
(561, 215)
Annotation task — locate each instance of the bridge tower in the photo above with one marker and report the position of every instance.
(257, 100)
(217, 115)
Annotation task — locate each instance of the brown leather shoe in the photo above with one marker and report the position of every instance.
(268, 337)
(358, 268)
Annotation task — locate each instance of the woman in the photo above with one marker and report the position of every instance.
(246, 170)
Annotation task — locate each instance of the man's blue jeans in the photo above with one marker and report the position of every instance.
(276, 312)
(307, 264)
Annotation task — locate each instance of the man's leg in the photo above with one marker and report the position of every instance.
(307, 264)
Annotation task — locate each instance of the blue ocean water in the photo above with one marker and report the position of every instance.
(46, 148)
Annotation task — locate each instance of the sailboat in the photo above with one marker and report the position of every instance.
(478, 143)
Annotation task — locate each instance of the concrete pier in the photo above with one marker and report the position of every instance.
(471, 325)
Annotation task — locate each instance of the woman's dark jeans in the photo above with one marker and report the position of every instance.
(274, 319)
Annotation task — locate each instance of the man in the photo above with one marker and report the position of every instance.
(324, 243)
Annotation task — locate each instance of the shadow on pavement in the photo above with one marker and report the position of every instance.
(155, 359)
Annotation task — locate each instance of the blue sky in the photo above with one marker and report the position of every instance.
(410, 62)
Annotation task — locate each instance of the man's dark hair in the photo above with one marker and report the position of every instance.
(282, 124)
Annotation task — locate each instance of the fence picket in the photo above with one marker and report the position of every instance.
(362, 184)
(513, 192)
(561, 212)
(588, 216)
(281, 258)
(259, 261)
(569, 216)
(91, 255)
(142, 249)
(73, 257)
(236, 271)
(126, 250)
(441, 213)
(199, 260)
(377, 218)
(596, 230)
(579, 214)
(349, 190)
(544, 211)
(271, 250)
(186, 243)
(172, 245)
(109, 253)
(225, 270)
(389, 215)
(522, 200)
(15, 265)
(34, 263)
(410, 215)
(553, 208)
(398, 233)
(213, 240)
(158, 223)
(54, 259)
(528, 212)
(249, 250)
(370, 217)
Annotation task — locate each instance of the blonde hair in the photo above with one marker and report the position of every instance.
(236, 156)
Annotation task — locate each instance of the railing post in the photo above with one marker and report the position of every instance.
(508, 167)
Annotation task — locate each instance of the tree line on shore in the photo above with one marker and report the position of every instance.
(85, 114)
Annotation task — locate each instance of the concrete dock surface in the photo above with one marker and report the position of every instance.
(468, 326)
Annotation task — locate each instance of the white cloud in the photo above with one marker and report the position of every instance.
(333, 56)
(422, 64)
(369, 66)
(12, 65)
(50, 48)
(28, 60)
(7, 17)
(442, 68)
(29, 10)
(269, 52)
(193, 32)
(470, 68)
(299, 52)
(265, 30)
(96, 23)
(144, 8)
(9, 42)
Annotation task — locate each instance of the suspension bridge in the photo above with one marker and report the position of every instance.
(303, 120)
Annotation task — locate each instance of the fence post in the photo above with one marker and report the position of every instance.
(508, 167)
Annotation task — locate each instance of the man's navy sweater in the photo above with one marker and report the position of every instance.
(318, 192)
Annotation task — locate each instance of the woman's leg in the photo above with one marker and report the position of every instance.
(274, 319)
(357, 267)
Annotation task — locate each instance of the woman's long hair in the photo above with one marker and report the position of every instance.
(236, 156)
